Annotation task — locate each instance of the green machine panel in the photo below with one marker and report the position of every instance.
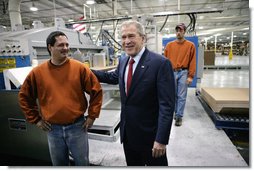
(18, 137)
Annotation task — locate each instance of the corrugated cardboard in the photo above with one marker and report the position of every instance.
(218, 98)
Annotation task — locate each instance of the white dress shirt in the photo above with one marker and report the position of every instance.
(136, 59)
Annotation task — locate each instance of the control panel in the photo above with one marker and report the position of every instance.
(13, 53)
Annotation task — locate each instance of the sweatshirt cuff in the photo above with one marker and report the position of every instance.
(91, 117)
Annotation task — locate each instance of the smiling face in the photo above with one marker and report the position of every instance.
(132, 40)
(59, 51)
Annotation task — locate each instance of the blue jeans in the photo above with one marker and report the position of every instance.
(65, 139)
(181, 91)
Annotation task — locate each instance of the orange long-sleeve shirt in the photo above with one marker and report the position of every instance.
(60, 93)
(182, 55)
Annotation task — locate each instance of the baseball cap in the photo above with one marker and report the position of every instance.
(181, 26)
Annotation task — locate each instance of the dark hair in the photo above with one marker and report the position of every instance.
(51, 39)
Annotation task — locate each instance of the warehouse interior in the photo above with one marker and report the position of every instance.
(216, 128)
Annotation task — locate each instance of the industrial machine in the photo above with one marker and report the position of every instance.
(28, 48)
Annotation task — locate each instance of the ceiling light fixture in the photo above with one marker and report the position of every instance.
(90, 2)
(33, 8)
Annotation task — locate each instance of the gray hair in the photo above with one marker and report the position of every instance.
(138, 25)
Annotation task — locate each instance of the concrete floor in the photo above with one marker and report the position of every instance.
(197, 142)
(236, 60)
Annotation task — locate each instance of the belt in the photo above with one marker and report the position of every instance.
(75, 121)
(179, 69)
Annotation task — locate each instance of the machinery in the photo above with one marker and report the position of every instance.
(28, 48)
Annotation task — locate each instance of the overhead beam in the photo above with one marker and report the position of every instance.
(154, 15)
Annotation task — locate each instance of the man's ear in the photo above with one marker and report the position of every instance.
(49, 47)
(144, 38)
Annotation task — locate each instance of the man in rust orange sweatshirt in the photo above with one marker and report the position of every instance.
(59, 85)
(182, 54)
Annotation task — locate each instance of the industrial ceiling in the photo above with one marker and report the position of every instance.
(206, 18)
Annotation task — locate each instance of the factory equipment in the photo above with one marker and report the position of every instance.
(227, 107)
(153, 37)
(28, 48)
(19, 138)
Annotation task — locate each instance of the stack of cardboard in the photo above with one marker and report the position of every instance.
(219, 98)
(209, 57)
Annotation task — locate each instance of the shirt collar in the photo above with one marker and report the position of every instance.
(138, 56)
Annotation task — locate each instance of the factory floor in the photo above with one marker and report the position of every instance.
(197, 142)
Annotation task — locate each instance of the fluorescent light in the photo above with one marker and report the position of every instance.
(33, 8)
(201, 17)
(90, 2)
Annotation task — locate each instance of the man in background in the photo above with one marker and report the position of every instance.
(182, 54)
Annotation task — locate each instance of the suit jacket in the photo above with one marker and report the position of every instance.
(147, 111)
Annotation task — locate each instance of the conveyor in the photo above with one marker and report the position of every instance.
(227, 107)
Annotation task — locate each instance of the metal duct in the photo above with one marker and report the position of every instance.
(15, 17)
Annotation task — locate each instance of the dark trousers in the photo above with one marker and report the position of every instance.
(135, 157)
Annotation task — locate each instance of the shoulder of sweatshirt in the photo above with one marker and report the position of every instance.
(40, 66)
(79, 65)
(189, 42)
(76, 62)
(170, 44)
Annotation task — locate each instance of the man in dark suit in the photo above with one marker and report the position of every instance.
(147, 90)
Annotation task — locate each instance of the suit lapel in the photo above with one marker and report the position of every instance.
(140, 70)
(122, 71)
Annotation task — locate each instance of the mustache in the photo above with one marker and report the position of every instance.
(65, 51)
